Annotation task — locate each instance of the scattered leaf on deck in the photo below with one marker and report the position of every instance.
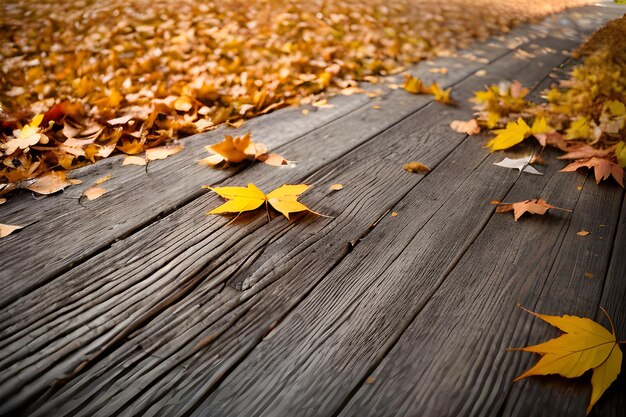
(104, 179)
(94, 192)
(585, 345)
(284, 199)
(533, 206)
(471, 127)
(523, 164)
(603, 169)
(162, 152)
(335, 187)
(416, 167)
(134, 160)
(583, 233)
(7, 229)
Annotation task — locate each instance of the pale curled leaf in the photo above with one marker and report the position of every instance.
(522, 164)
(94, 192)
(162, 152)
(49, 183)
(471, 127)
(7, 229)
(134, 160)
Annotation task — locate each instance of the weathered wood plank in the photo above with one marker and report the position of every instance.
(571, 292)
(446, 349)
(255, 277)
(62, 233)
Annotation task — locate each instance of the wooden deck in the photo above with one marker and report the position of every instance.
(139, 304)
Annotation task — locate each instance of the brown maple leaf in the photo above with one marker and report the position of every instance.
(533, 206)
(603, 169)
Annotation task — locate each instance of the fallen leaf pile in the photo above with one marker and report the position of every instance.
(586, 345)
(83, 80)
(585, 116)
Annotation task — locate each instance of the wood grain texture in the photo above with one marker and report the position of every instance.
(159, 315)
(170, 270)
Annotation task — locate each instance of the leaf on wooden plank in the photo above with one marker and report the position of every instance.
(523, 164)
(7, 229)
(162, 152)
(3, 200)
(284, 199)
(442, 96)
(94, 192)
(236, 149)
(104, 179)
(511, 135)
(49, 183)
(134, 160)
(414, 85)
(533, 206)
(583, 233)
(585, 345)
(416, 168)
(335, 187)
(471, 127)
(603, 169)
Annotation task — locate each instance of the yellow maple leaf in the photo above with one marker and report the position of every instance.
(512, 134)
(579, 129)
(284, 199)
(585, 345)
(442, 96)
(237, 149)
(540, 125)
(28, 136)
(415, 86)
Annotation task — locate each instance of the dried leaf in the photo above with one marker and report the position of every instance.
(583, 233)
(49, 183)
(104, 179)
(335, 187)
(162, 152)
(134, 160)
(3, 200)
(442, 96)
(603, 169)
(585, 345)
(7, 229)
(533, 206)
(416, 167)
(471, 127)
(94, 192)
(523, 164)
(414, 85)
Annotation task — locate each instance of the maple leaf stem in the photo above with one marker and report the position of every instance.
(610, 320)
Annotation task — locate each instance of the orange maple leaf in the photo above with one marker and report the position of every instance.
(603, 169)
(533, 206)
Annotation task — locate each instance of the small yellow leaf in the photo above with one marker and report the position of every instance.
(414, 85)
(416, 167)
(514, 133)
(582, 233)
(617, 108)
(7, 229)
(394, 213)
(579, 129)
(335, 187)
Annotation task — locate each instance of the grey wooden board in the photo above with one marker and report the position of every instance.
(62, 233)
(92, 305)
(363, 154)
